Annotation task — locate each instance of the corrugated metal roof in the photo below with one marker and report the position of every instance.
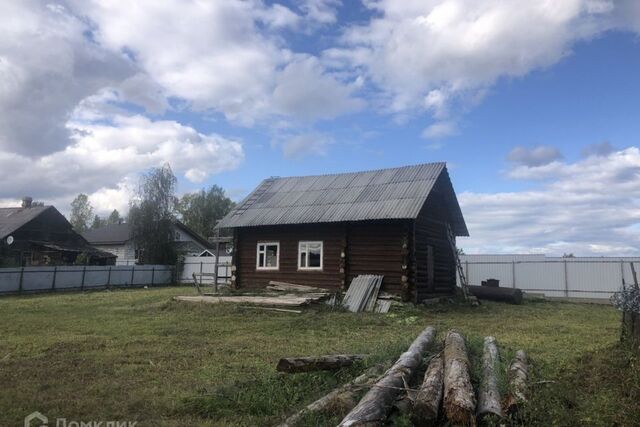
(397, 193)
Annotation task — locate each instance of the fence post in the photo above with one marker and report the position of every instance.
(84, 270)
(133, 271)
(109, 277)
(53, 281)
(153, 273)
(622, 274)
(566, 280)
(21, 277)
(513, 272)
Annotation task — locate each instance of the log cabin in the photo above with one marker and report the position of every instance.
(325, 230)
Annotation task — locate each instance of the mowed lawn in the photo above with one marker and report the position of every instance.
(136, 355)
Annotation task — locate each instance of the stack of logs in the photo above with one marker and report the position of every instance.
(446, 393)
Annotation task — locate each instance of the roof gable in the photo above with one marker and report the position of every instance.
(12, 219)
(397, 193)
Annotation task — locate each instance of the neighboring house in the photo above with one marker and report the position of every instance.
(325, 230)
(40, 235)
(117, 239)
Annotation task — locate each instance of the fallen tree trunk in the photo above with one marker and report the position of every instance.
(488, 395)
(317, 363)
(518, 375)
(427, 402)
(459, 400)
(374, 406)
(511, 295)
(341, 399)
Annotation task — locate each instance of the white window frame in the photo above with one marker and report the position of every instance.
(264, 251)
(307, 242)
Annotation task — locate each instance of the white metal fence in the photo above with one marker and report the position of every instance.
(580, 277)
(47, 279)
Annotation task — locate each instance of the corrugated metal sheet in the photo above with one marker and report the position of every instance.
(362, 293)
(397, 193)
(578, 277)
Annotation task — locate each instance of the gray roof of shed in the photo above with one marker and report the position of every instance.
(118, 234)
(397, 193)
(11, 219)
(113, 234)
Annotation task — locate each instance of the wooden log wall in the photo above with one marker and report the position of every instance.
(332, 236)
(433, 260)
(376, 247)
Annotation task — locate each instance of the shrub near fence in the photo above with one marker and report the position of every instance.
(48, 279)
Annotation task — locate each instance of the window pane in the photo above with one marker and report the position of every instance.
(314, 257)
(272, 256)
(303, 259)
(261, 260)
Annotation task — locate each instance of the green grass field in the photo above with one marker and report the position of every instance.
(136, 355)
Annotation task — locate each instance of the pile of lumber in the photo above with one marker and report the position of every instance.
(284, 300)
(364, 295)
(443, 396)
(281, 295)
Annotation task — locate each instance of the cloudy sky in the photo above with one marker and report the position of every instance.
(534, 105)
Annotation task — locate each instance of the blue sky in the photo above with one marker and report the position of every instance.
(584, 99)
(533, 106)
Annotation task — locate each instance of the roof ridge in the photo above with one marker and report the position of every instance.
(356, 172)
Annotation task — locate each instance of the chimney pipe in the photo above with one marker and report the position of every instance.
(26, 201)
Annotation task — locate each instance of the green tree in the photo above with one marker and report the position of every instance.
(114, 217)
(81, 213)
(203, 209)
(152, 215)
(97, 222)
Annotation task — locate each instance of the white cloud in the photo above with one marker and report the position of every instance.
(321, 11)
(47, 66)
(440, 130)
(426, 54)
(303, 90)
(106, 157)
(537, 156)
(219, 56)
(591, 206)
(304, 144)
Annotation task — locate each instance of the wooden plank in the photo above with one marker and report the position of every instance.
(282, 310)
(292, 287)
(279, 301)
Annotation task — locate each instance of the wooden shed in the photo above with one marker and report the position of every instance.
(325, 230)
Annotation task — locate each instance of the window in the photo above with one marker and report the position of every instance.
(310, 256)
(268, 256)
